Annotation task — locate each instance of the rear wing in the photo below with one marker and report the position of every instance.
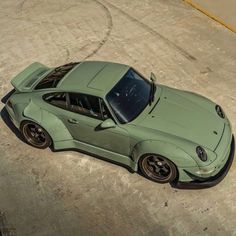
(25, 80)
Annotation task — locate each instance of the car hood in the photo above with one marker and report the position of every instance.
(179, 115)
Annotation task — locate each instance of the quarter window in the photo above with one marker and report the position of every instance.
(56, 99)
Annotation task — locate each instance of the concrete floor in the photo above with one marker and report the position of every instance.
(225, 10)
(67, 193)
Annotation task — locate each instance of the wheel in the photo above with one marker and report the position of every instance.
(157, 168)
(35, 135)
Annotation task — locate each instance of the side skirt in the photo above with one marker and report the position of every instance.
(113, 157)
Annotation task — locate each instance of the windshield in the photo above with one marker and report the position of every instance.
(129, 97)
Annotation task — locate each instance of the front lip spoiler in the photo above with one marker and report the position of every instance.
(212, 181)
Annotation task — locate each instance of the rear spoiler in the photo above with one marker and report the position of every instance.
(26, 79)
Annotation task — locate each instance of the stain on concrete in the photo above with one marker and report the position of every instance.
(5, 228)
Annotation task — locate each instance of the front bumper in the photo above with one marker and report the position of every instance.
(211, 181)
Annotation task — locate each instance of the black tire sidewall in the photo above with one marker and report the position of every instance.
(48, 142)
(172, 177)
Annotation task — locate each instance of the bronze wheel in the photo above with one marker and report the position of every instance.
(157, 168)
(35, 135)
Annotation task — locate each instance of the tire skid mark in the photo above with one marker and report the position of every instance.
(66, 50)
(108, 32)
(154, 32)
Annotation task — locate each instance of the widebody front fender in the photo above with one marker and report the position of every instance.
(174, 153)
(178, 156)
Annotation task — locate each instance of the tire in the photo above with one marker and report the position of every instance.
(157, 168)
(35, 135)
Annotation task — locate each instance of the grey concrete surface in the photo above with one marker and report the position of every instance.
(43, 193)
(223, 10)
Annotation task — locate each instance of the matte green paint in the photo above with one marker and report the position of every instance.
(48, 121)
(108, 123)
(93, 77)
(173, 126)
(24, 81)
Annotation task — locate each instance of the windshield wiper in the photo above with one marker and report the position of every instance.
(152, 93)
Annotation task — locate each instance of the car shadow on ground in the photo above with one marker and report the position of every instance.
(129, 169)
(5, 98)
(5, 117)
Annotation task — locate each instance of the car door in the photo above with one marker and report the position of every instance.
(83, 119)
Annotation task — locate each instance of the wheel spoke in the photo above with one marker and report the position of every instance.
(32, 129)
(152, 168)
(151, 163)
(42, 135)
(41, 138)
(165, 169)
(154, 158)
(157, 167)
(164, 162)
(35, 134)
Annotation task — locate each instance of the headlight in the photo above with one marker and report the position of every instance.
(201, 153)
(219, 111)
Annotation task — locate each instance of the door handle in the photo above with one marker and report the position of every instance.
(73, 121)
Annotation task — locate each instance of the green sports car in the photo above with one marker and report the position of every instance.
(110, 110)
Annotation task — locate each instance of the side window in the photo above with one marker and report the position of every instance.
(56, 99)
(88, 105)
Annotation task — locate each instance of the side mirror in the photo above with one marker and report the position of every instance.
(108, 123)
(153, 77)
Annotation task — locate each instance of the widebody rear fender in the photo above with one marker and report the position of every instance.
(50, 122)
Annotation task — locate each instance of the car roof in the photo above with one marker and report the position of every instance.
(93, 77)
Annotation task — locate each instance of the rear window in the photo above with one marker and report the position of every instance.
(54, 77)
